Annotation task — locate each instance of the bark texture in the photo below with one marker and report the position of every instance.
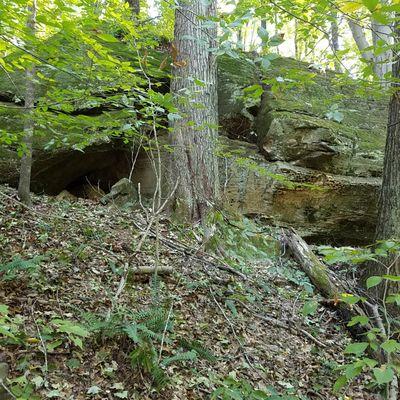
(193, 137)
(320, 276)
(381, 63)
(26, 160)
(381, 33)
(134, 6)
(360, 39)
(388, 225)
(335, 46)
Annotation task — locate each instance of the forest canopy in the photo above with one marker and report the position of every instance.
(199, 199)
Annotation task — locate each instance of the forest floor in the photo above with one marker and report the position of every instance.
(67, 333)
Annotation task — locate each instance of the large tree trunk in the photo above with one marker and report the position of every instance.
(193, 137)
(382, 62)
(334, 41)
(360, 40)
(135, 7)
(388, 225)
(26, 160)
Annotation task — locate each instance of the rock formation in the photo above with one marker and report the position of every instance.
(285, 157)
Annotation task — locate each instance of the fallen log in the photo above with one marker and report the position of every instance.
(331, 288)
(151, 269)
(322, 278)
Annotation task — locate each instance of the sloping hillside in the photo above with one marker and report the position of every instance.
(70, 329)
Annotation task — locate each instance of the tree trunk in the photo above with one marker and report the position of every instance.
(134, 6)
(361, 40)
(334, 42)
(388, 225)
(320, 276)
(297, 52)
(264, 24)
(382, 62)
(194, 136)
(26, 160)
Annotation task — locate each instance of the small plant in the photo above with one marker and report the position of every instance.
(239, 240)
(10, 328)
(334, 113)
(149, 331)
(380, 348)
(232, 388)
(18, 266)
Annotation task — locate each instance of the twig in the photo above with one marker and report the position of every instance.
(283, 325)
(165, 332)
(233, 330)
(46, 364)
(120, 288)
(6, 389)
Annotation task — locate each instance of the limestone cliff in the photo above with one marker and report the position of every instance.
(283, 157)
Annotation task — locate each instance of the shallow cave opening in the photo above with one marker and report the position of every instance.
(96, 169)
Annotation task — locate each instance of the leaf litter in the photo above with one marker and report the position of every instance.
(251, 329)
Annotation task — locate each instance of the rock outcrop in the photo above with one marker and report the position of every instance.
(122, 194)
(286, 158)
(321, 139)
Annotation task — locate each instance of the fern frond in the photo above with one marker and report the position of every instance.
(201, 351)
(183, 356)
(132, 332)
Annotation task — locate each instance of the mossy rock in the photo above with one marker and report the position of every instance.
(323, 207)
(292, 124)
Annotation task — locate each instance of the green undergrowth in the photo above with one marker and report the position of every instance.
(195, 333)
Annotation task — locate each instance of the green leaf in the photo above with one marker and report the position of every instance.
(94, 390)
(349, 298)
(4, 331)
(107, 37)
(393, 298)
(310, 307)
(393, 278)
(370, 4)
(73, 363)
(53, 393)
(3, 309)
(122, 395)
(359, 319)
(373, 281)
(77, 341)
(390, 345)
(380, 17)
(383, 374)
(70, 327)
(353, 370)
(38, 381)
(50, 346)
(356, 348)
(340, 383)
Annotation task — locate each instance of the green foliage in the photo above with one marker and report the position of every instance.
(351, 255)
(52, 335)
(290, 272)
(19, 267)
(240, 240)
(380, 337)
(334, 113)
(232, 388)
(149, 331)
(11, 328)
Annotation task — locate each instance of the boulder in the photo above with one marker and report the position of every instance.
(322, 121)
(122, 194)
(65, 195)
